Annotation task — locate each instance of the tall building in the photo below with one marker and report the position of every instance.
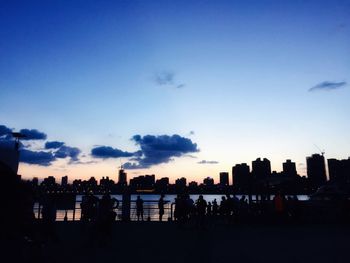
(64, 180)
(122, 178)
(316, 170)
(9, 154)
(289, 169)
(224, 179)
(339, 171)
(261, 169)
(241, 177)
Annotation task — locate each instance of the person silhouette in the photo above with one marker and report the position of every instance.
(139, 208)
(209, 209)
(161, 207)
(215, 207)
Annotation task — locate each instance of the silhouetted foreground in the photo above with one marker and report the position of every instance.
(167, 242)
(231, 230)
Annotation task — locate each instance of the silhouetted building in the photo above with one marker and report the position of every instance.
(261, 169)
(64, 181)
(35, 181)
(143, 182)
(208, 181)
(122, 178)
(241, 177)
(180, 184)
(316, 170)
(162, 184)
(193, 186)
(49, 181)
(224, 179)
(339, 171)
(9, 154)
(289, 169)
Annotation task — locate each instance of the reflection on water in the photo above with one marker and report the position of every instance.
(150, 206)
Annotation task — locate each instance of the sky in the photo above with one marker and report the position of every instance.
(173, 88)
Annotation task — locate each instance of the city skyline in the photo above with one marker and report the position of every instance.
(154, 86)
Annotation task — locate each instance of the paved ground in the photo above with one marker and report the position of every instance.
(169, 242)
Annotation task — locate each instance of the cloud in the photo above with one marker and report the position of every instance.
(160, 149)
(53, 145)
(66, 151)
(33, 134)
(328, 85)
(167, 78)
(4, 130)
(109, 152)
(131, 166)
(39, 158)
(208, 162)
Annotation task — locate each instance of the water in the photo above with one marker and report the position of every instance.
(150, 206)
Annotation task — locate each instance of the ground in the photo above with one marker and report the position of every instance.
(169, 242)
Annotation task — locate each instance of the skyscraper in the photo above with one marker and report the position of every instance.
(339, 171)
(241, 176)
(261, 169)
(224, 179)
(289, 169)
(316, 170)
(64, 180)
(122, 178)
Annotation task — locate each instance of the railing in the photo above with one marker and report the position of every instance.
(150, 211)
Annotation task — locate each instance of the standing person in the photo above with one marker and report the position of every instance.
(139, 208)
(279, 205)
(215, 207)
(201, 205)
(161, 207)
(209, 209)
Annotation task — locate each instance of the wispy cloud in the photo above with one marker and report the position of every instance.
(208, 162)
(328, 85)
(168, 78)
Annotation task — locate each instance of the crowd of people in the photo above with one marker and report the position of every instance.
(234, 209)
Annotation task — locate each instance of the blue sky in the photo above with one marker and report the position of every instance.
(231, 76)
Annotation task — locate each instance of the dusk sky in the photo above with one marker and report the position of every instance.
(173, 88)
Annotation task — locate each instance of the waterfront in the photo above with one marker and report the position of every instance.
(150, 206)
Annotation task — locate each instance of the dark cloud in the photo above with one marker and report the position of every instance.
(328, 85)
(4, 130)
(38, 158)
(167, 78)
(131, 166)
(53, 145)
(208, 162)
(66, 151)
(33, 134)
(109, 152)
(161, 149)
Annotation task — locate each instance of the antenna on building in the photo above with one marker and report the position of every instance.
(321, 151)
